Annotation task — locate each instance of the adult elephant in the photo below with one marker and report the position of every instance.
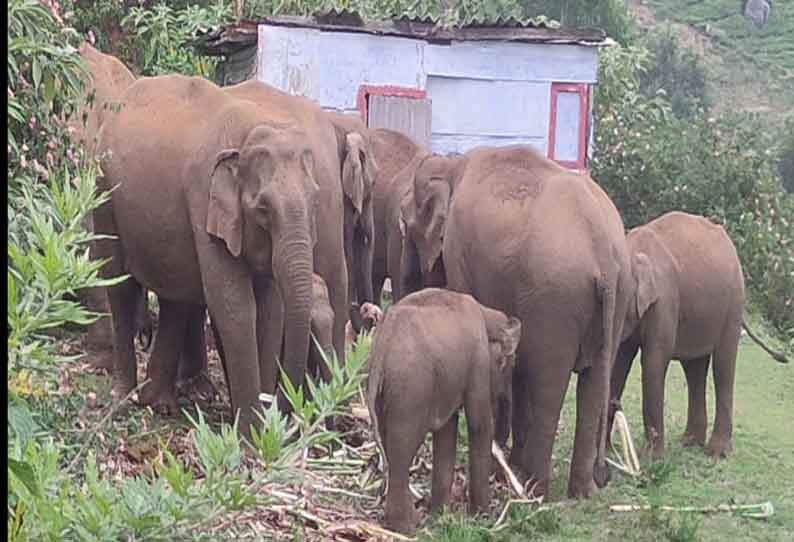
(359, 174)
(423, 214)
(394, 152)
(106, 79)
(529, 238)
(688, 305)
(214, 204)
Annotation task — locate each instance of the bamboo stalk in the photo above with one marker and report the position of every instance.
(511, 477)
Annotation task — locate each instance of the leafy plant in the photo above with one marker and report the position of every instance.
(651, 162)
(677, 72)
(162, 36)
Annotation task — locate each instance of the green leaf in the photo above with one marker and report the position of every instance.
(36, 67)
(24, 472)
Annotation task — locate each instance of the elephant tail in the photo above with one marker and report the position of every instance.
(607, 292)
(777, 356)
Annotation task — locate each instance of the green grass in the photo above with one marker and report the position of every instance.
(760, 469)
(749, 68)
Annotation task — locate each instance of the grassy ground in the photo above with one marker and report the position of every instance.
(760, 469)
(749, 68)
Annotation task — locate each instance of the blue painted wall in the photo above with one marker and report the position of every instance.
(483, 93)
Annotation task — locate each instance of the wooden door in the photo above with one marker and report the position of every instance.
(409, 116)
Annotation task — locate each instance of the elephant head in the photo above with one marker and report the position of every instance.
(424, 212)
(359, 172)
(262, 204)
(504, 334)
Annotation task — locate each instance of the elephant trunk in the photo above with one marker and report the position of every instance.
(293, 265)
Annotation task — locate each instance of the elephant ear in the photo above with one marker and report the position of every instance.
(354, 171)
(431, 199)
(646, 283)
(224, 213)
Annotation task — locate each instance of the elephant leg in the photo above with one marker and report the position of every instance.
(521, 415)
(125, 366)
(723, 365)
(696, 371)
(654, 371)
(160, 391)
(590, 396)
(270, 329)
(620, 373)
(99, 335)
(229, 295)
(480, 426)
(547, 383)
(403, 439)
(192, 376)
(444, 449)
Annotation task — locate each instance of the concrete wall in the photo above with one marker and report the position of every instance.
(483, 93)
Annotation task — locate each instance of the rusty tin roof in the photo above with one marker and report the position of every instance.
(232, 38)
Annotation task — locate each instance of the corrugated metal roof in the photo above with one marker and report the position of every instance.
(426, 26)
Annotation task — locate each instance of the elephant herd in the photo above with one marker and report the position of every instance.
(508, 273)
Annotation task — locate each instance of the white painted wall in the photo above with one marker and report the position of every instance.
(483, 93)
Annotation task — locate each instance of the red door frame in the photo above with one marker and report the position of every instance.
(365, 91)
(583, 90)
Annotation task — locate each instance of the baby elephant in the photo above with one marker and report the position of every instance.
(436, 351)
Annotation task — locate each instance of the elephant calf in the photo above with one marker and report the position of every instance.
(687, 305)
(436, 351)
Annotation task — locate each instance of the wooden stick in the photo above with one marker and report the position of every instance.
(500, 458)
(765, 509)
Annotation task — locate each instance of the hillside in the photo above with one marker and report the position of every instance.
(749, 68)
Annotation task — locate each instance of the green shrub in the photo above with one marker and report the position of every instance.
(677, 72)
(786, 165)
(651, 162)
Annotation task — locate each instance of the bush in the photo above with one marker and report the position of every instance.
(786, 164)
(651, 162)
(677, 72)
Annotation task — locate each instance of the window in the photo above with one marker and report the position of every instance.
(568, 124)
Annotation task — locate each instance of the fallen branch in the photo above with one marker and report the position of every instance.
(762, 510)
(511, 477)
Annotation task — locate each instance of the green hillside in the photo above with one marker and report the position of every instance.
(749, 68)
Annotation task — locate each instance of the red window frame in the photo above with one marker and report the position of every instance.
(365, 91)
(583, 90)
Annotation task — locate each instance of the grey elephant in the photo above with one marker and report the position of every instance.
(216, 203)
(525, 236)
(688, 305)
(359, 175)
(106, 79)
(435, 352)
(357, 178)
(423, 215)
(393, 152)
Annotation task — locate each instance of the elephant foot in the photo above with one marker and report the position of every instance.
(405, 524)
(581, 489)
(692, 439)
(601, 474)
(719, 447)
(199, 387)
(161, 401)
